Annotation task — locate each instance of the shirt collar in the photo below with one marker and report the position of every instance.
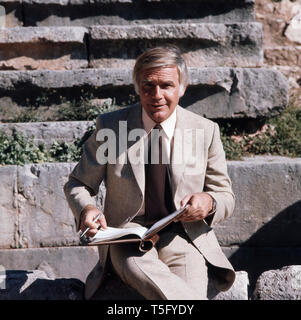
(168, 125)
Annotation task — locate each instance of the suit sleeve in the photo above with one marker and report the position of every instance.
(217, 181)
(86, 177)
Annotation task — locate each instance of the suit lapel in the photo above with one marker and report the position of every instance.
(181, 138)
(135, 152)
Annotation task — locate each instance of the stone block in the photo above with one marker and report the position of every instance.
(268, 206)
(57, 262)
(281, 284)
(54, 48)
(114, 12)
(256, 260)
(35, 210)
(35, 285)
(236, 93)
(49, 132)
(283, 56)
(265, 215)
(203, 44)
(213, 92)
(238, 291)
(8, 206)
(13, 13)
(44, 215)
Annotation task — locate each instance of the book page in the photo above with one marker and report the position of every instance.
(116, 233)
(156, 227)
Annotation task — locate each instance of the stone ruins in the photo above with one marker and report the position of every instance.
(242, 65)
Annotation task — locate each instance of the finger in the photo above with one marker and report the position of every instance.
(91, 233)
(184, 201)
(87, 221)
(102, 221)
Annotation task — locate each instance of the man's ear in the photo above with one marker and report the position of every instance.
(182, 91)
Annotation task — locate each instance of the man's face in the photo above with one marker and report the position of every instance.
(159, 90)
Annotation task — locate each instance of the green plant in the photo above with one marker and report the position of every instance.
(17, 149)
(280, 135)
(84, 109)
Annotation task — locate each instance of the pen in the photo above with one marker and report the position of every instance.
(87, 229)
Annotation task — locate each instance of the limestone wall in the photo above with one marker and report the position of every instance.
(281, 23)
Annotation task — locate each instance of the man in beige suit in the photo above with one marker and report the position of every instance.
(139, 193)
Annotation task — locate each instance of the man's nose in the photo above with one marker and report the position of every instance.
(157, 92)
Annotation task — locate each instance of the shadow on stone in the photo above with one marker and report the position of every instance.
(35, 285)
(275, 245)
(114, 289)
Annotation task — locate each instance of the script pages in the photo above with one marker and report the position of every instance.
(134, 234)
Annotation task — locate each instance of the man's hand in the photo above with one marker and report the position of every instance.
(88, 214)
(200, 206)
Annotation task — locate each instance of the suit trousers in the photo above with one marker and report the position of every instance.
(173, 270)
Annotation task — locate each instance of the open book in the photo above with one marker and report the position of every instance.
(146, 237)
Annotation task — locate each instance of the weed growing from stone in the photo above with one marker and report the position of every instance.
(280, 135)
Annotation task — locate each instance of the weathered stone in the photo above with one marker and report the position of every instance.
(285, 56)
(54, 48)
(214, 92)
(44, 219)
(57, 262)
(204, 45)
(115, 289)
(8, 206)
(276, 17)
(49, 132)
(236, 93)
(281, 284)
(44, 216)
(13, 13)
(35, 285)
(42, 34)
(265, 214)
(39, 214)
(293, 31)
(256, 260)
(239, 290)
(103, 12)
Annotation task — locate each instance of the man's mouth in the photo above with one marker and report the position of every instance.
(158, 106)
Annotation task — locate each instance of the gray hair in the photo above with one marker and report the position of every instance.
(161, 57)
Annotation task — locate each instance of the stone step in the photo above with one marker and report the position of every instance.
(213, 93)
(50, 277)
(280, 284)
(49, 132)
(65, 48)
(85, 13)
(34, 211)
(55, 48)
(203, 44)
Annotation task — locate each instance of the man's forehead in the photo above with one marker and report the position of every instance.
(160, 73)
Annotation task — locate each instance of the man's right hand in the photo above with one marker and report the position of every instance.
(88, 214)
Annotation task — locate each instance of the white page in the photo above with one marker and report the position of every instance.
(115, 233)
(163, 221)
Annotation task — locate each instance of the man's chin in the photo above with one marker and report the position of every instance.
(159, 116)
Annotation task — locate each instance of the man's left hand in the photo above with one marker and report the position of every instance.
(200, 206)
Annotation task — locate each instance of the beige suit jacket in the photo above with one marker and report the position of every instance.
(125, 183)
